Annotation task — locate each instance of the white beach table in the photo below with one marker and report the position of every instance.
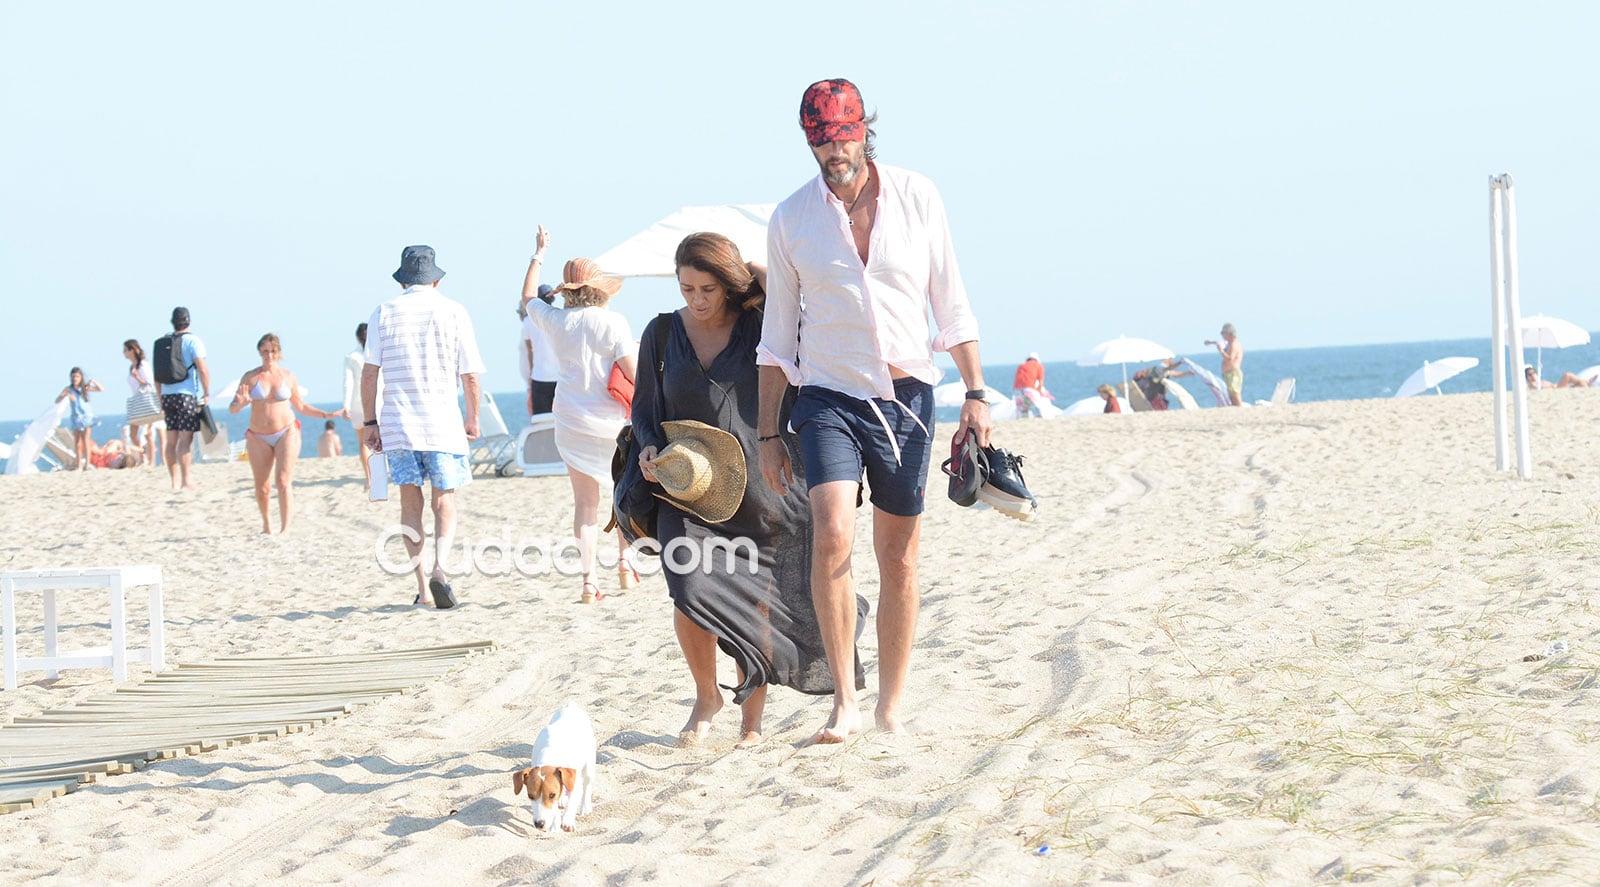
(115, 580)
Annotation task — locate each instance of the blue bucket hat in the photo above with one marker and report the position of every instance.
(417, 267)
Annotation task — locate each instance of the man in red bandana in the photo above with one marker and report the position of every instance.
(857, 258)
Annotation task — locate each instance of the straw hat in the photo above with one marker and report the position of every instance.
(702, 469)
(580, 273)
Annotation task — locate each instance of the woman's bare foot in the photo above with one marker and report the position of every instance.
(888, 721)
(699, 723)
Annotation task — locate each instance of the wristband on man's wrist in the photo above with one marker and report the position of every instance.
(369, 423)
(763, 438)
(978, 394)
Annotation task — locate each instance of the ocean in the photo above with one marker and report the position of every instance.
(1349, 372)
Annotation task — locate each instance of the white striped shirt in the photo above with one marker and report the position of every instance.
(423, 343)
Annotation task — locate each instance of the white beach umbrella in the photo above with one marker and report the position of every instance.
(1432, 373)
(650, 253)
(951, 394)
(1551, 332)
(1123, 350)
(1589, 374)
(1087, 407)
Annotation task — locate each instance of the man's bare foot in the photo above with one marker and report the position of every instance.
(699, 723)
(750, 739)
(190, 486)
(844, 723)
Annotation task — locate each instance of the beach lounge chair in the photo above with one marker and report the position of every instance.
(494, 448)
(61, 451)
(1131, 396)
(535, 453)
(1283, 393)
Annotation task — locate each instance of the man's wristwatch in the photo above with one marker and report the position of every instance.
(979, 395)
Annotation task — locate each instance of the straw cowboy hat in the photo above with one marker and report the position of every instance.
(702, 469)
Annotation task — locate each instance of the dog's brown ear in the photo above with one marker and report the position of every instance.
(519, 780)
(568, 777)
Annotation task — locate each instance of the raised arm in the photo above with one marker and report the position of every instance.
(530, 281)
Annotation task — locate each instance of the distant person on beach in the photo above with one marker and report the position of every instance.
(354, 363)
(115, 454)
(1568, 380)
(1232, 363)
(139, 382)
(423, 345)
(858, 256)
(544, 367)
(591, 340)
(328, 444)
(1027, 387)
(1110, 395)
(1152, 384)
(182, 380)
(764, 619)
(80, 419)
(272, 441)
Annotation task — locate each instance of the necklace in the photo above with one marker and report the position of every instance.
(848, 213)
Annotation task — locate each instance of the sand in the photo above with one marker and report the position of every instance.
(1238, 646)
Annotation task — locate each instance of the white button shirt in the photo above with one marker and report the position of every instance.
(834, 323)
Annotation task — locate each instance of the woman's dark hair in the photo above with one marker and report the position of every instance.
(361, 334)
(717, 256)
(82, 387)
(138, 353)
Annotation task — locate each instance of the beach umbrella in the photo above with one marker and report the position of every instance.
(1432, 373)
(650, 253)
(1123, 350)
(1086, 407)
(1589, 374)
(952, 394)
(1551, 332)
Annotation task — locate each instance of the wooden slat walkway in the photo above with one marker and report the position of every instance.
(200, 707)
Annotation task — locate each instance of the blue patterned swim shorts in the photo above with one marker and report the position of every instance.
(445, 471)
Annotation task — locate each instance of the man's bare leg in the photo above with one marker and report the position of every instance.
(444, 531)
(833, 518)
(895, 541)
(411, 519)
(185, 458)
(700, 652)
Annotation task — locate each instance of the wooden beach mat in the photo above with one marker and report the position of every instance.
(201, 707)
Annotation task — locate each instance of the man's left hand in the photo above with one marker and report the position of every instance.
(975, 418)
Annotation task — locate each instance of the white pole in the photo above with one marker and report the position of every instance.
(1497, 381)
(1519, 400)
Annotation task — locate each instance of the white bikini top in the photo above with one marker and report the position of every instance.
(282, 392)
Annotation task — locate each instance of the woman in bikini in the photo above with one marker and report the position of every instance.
(273, 438)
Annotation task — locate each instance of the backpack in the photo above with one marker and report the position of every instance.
(167, 360)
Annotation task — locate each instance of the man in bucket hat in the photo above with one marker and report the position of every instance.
(865, 369)
(422, 343)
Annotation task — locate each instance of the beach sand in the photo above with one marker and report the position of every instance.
(1238, 646)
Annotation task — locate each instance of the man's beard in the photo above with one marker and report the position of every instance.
(845, 176)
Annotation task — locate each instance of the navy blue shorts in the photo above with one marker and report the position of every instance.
(842, 438)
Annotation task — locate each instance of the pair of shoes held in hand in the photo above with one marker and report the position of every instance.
(990, 475)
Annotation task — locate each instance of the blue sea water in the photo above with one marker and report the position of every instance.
(1350, 372)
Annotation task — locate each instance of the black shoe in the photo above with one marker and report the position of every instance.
(1003, 488)
(966, 468)
(444, 597)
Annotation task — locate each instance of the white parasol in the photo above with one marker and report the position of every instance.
(650, 253)
(1123, 350)
(1432, 373)
(1550, 332)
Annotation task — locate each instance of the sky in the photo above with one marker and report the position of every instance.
(1315, 174)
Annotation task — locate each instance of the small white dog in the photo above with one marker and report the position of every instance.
(563, 770)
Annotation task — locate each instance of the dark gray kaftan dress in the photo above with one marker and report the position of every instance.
(764, 620)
